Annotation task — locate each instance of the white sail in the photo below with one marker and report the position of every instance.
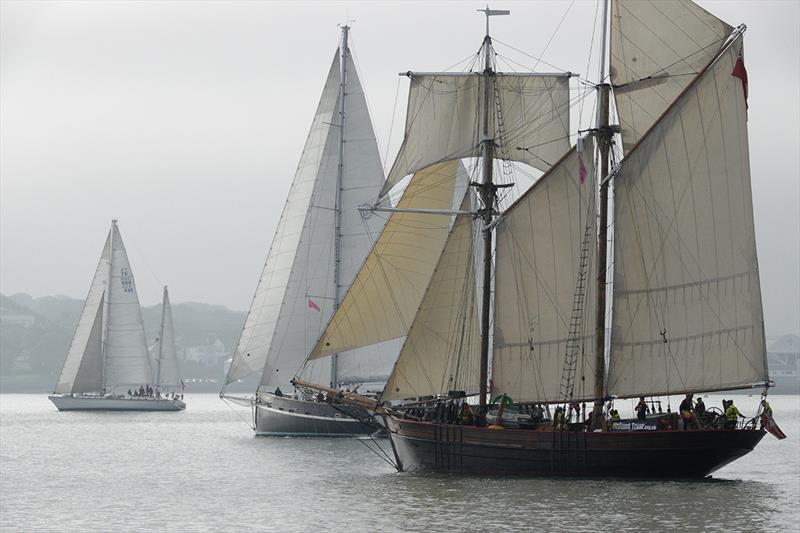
(545, 284)
(387, 291)
(87, 340)
(167, 375)
(657, 49)
(441, 351)
(127, 362)
(444, 120)
(687, 300)
(296, 293)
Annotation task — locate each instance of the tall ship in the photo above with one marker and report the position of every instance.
(627, 270)
(108, 366)
(320, 243)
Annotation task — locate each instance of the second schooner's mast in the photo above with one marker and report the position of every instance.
(337, 246)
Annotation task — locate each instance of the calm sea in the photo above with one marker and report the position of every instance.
(203, 470)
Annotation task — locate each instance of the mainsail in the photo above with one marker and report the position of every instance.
(167, 376)
(687, 300)
(545, 282)
(126, 360)
(296, 293)
(443, 120)
(109, 348)
(657, 50)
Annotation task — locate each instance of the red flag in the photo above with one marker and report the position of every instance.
(740, 72)
(312, 305)
(768, 423)
(581, 169)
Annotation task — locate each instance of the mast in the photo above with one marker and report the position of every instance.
(604, 146)
(161, 337)
(107, 300)
(488, 193)
(343, 50)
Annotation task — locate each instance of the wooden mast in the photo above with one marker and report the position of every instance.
(604, 145)
(488, 194)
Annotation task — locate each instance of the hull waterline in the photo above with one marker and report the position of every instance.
(89, 403)
(282, 416)
(434, 447)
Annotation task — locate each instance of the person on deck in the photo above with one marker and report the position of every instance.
(686, 411)
(732, 416)
(466, 417)
(558, 418)
(766, 408)
(613, 417)
(642, 409)
(278, 392)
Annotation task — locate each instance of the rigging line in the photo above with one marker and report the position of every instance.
(589, 59)
(357, 65)
(565, 71)
(554, 34)
(226, 402)
(391, 124)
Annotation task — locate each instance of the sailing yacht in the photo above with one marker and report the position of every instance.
(108, 356)
(320, 243)
(525, 288)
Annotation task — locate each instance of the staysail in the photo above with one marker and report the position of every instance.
(386, 292)
(657, 50)
(443, 120)
(442, 347)
(687, 301)
(77, 376)
(296, 293)
(167, 376)
(545, 283)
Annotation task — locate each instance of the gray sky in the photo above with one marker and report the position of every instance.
(186, 120)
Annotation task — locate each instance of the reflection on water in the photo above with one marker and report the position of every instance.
(202, 469)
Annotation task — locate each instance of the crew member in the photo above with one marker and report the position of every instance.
(686, 411)
(642, 409)
(732, 415)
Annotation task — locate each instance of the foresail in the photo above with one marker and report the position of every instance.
(657, 50)
(386, 292)
(687, 299)
(167, 376)
(259, 327)
(127, 362)
(74, 377)
(441, 351)
(444, 122)
(545, 284)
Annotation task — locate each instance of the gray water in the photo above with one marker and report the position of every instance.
(202, 470)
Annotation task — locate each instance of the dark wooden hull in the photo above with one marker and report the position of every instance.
(435, 447)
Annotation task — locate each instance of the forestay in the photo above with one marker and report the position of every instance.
(387, 291)
(657, 50)
(441, 351)
(77, 376)
(545, 243)
(444, 120)
(687, 300)
(126, 359)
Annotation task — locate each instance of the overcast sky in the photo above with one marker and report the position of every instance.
(186, 120)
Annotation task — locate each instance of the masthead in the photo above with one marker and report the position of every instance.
(492, 13)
